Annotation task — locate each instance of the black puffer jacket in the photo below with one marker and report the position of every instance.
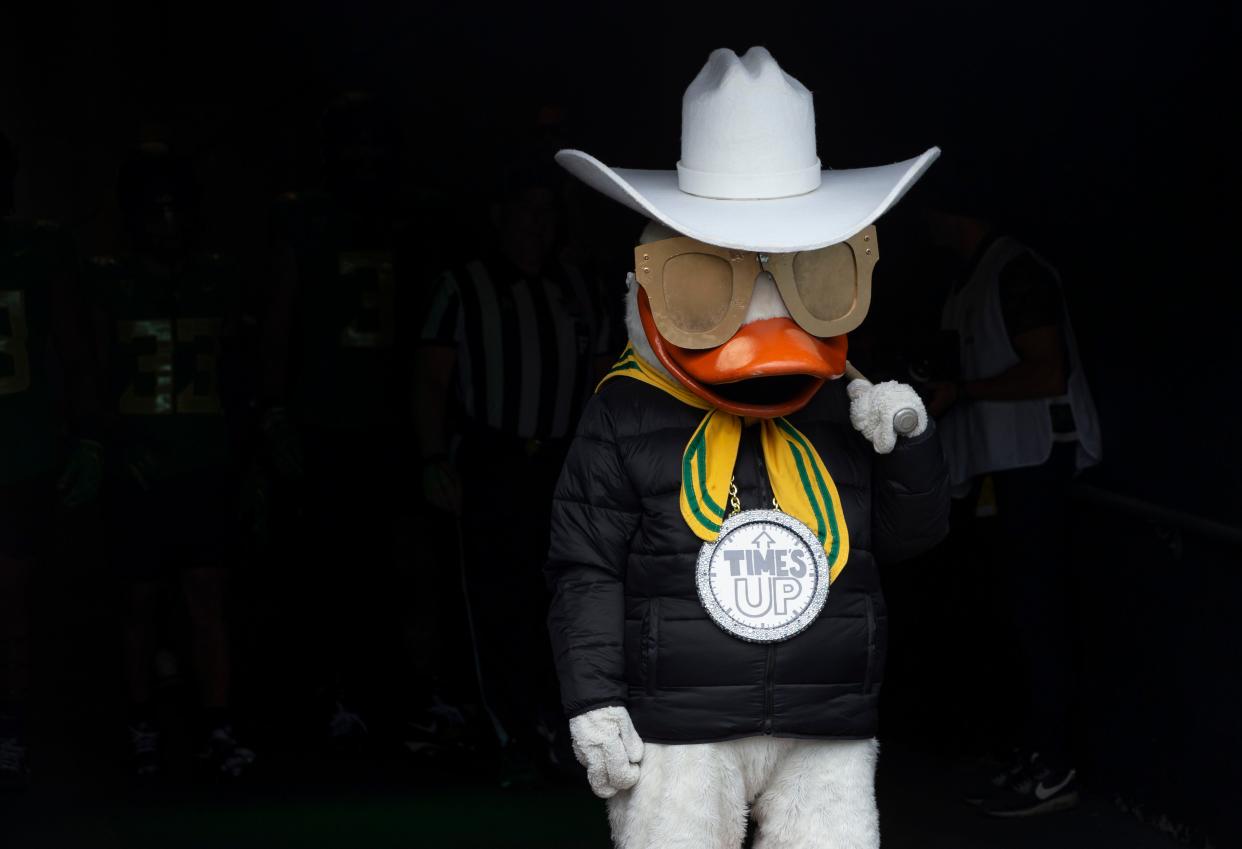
(626, 624)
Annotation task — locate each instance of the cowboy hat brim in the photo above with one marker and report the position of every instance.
(845, 202)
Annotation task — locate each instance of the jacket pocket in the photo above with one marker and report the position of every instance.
(651, 645)
(869, 675)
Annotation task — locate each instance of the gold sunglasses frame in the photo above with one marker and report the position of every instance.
(651, 258)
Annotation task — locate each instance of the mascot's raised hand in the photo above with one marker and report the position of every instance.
(606, 743)
(719, 521)
(883, 411)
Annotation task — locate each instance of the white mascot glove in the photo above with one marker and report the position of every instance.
(606, 743)
(872, 407)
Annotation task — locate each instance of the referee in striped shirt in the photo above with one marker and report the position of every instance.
(517, 343)
(512, 344)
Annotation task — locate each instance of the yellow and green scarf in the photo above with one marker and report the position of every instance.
(800, 481)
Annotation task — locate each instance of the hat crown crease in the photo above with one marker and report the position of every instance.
(748, 130)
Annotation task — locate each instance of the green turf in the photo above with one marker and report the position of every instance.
(549, 820)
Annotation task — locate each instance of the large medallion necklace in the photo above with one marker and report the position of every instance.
(765, 578)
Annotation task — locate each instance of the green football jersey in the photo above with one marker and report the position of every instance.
(167, 333)
(32, 256)
(345, 369)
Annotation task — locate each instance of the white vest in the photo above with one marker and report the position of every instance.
(988, 436)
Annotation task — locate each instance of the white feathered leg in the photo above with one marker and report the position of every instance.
(687, 797)
(821, 796)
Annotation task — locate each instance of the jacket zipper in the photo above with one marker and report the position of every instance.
(870, 643)
(765, 491)
(769, 684)
(769, 689)
(653, 643)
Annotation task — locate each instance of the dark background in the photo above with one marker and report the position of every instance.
(1102, 133)
(1099, 130)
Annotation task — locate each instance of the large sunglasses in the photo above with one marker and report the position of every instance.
(699, 293)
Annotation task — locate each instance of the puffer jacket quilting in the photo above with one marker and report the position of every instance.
(625, 621)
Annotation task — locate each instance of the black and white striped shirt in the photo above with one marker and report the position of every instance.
(524, 345)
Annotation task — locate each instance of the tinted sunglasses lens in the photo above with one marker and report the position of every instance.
(698, 289)
(827, 281)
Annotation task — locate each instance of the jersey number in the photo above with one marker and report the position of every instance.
(156, 394)
(373, 324)
(14, 356)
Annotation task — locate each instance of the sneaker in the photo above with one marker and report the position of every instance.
(225, 754)
(144, 749)
(438, 728)
(1040, 789)
(998, 780)
(346, 725)
(14, 764)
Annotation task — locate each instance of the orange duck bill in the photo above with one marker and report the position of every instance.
(768, 368)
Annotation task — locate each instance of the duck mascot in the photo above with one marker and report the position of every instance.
(717, 621)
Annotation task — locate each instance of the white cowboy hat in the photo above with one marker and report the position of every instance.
(749, 177)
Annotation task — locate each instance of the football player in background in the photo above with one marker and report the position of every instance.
(336, 413)
(167, 317)
(48, 433)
